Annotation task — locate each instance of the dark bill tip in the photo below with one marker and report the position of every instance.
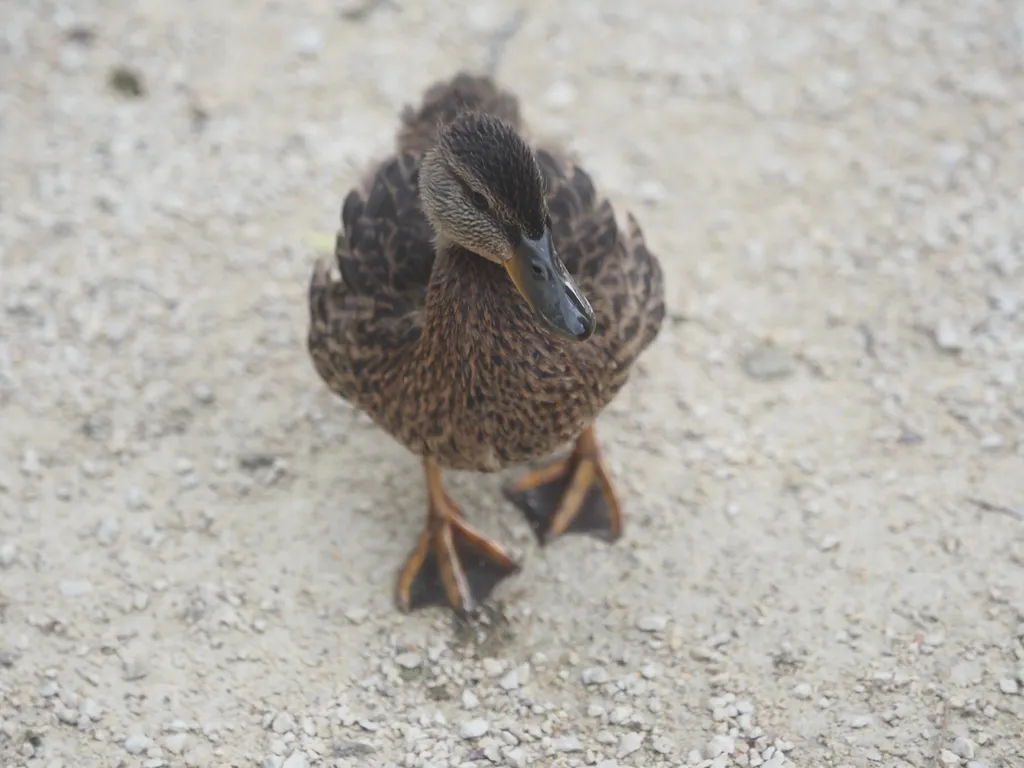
(549, 290)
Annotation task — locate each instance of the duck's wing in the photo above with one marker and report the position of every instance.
(618, 273)
(384, 253)
(444, 100)
(385, 246)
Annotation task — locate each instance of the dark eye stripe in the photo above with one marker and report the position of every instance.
(480, 201)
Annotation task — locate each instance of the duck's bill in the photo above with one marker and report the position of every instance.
(549, 290)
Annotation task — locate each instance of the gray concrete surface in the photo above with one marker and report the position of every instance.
(821, 458)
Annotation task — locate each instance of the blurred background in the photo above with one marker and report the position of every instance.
(820, 457)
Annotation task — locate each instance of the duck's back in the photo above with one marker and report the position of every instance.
(365, 326)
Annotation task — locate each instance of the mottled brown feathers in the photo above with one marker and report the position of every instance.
(441, 351)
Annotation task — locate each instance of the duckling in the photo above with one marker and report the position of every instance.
(488, 308)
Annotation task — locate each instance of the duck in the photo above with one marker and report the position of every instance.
(482, 307)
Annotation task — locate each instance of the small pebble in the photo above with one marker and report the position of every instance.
(567, 744)
(652, 623)
(135, 669)
(1003, 300)
(283, 723)
(126, 81)
(947, 336)
(493, 667)
(202, 393)
(860, 721)
(720, 745)
(948, 758)
(75, 587)
(474, 729)
(966, 673)
(408, 660)
(469, 700)
(560, 94)
(357, 615)
(133, 498)
(295, 760)
(91, 709)
(30, 462)
(1009, 686)
(829, 543)
(620, 715)
(107, 531)
(510, 681)
(8, 554)
(629, 743)
(176, 742)
(594, 676)
(350, 748)
(768, 363)
(663, 745)
(308, 42)
(516, 758)
(964, 747)
(136, 744)
(652, 192)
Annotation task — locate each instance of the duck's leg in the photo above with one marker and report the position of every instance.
(452, 563)
(571, 495)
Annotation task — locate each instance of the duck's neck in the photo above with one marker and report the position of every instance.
(472, 304)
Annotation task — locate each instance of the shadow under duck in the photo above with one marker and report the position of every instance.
(488, 308)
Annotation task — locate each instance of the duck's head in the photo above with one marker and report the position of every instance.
(483, 190)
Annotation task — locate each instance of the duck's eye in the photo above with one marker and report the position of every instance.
(478, 200)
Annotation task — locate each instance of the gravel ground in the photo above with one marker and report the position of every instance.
(821, 456)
